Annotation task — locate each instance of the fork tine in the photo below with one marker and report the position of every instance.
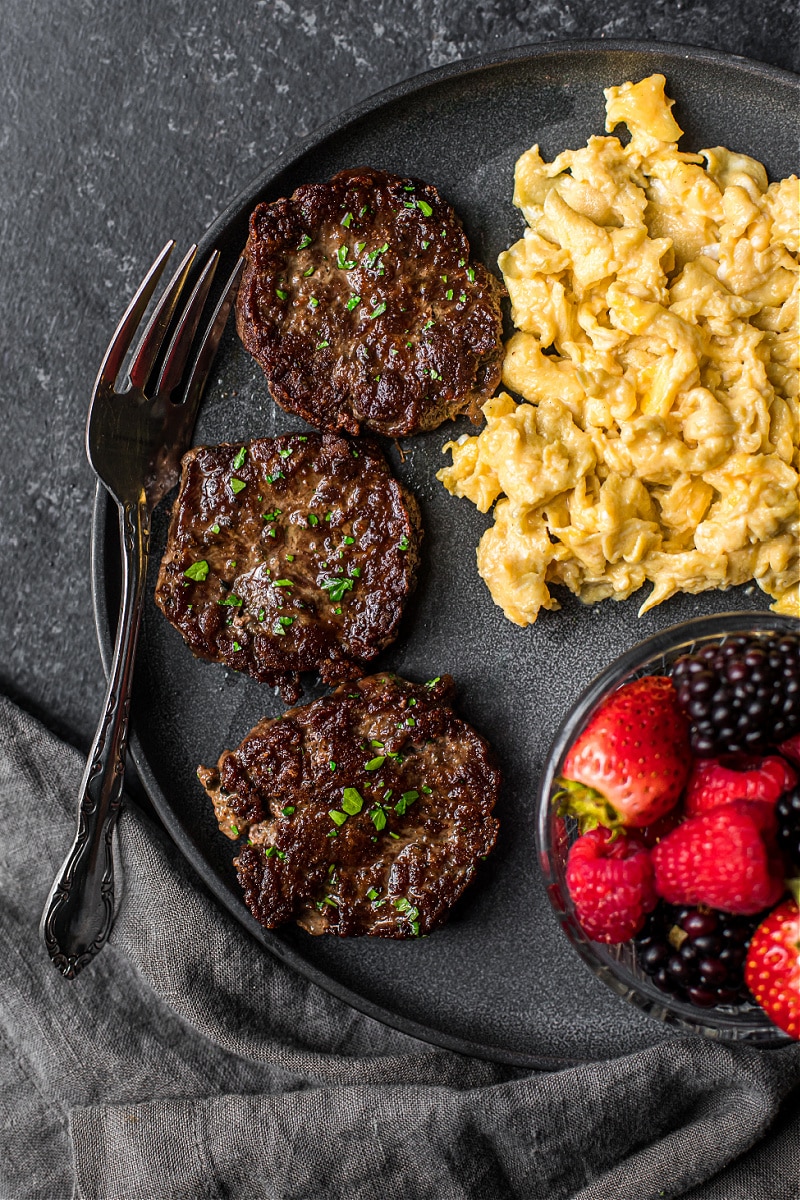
(208, 346)
(181, 343)
(151, 341)
(123, 335)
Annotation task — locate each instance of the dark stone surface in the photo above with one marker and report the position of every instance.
(125, 124)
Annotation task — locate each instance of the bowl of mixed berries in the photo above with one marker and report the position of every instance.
(669, 826)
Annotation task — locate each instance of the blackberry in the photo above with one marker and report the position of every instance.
(787, 810)
(696, 954)
(741, 695)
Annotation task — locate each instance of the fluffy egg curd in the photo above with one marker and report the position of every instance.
(655, 299)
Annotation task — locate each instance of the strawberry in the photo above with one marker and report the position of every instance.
(772, 968)
(716, 781)
(726, 859)
(629, 765)
(610, 880)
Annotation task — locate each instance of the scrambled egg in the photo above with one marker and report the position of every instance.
(655, 298)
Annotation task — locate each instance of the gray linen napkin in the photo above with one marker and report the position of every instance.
(186, 1063)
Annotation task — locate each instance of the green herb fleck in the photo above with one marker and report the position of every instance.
(313, 520)
(198, 571)
(305, 240)
(352, 302)
(280, 294)
(424, 208)
(231, 601)
(240, 457)
(432, 682)
(352, 801)
(322, 345)
(372, 894)
(375, 764)
(234, 830)
(377, 310)
(346, 219)
(336, 588)
(288, 810)
(215, 528)
(403, 543)
(426, 789)
(237, 485)
(236, 646)
(282, 583)
(471, 274)
(332, 765)
(342, 261)
(313, 302)
(449, 294)
(378, 818)
(337, 817)
(290, 558)
(286, 453)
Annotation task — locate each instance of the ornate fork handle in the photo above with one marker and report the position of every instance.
(79, 911)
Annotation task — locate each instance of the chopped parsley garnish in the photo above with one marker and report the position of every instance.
(449, 294)
(261, 614)
(236, 646)
(426, 789)
(432, 682)
(352, 302)
(374, 254)
(375, 764)
(348, 541)
(322, 345)
(462, 298)
(403, 543)
(215, 528)
(232, 600)
(405, 802)
(288, 810)
(237, 485)
(342, 261)
(290, 558)
(378, 818)
(336, 588)
(305, 240)
(346, 219)
(240, 457)
(285, 620)
(198, 571)
(286, 453)
(425, 245)
(424, 208)
(280, 294)
(332, 765)
(337, 817)
(352, 801)
(376, 743)
(362, 210)
(274, 478)
(377, 310)
(313, 302)
(372, 894)
(235, 830)
(471, 274)
(313, 520)
(355, 572)
(282, 583)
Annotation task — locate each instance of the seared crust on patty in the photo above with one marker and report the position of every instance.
(365, 812)
(289, 554)
(360, 302)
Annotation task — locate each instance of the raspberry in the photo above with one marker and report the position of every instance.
(742, 695)
(726, 859)
(717, 781)
(610, 880)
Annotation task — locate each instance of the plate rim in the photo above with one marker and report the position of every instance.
(104, 515)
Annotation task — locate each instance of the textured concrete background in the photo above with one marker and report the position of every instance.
(124, 124)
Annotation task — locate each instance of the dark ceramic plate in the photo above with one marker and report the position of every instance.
(499, 980)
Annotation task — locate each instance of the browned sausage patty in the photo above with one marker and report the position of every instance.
(361, 304)
(289, 554)
(365, 812)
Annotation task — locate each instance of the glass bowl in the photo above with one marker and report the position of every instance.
(616, 964)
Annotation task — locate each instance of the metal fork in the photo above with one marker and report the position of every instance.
(135, 437)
